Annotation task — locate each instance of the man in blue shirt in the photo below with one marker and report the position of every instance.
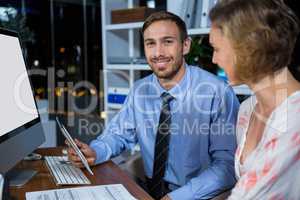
(202, 117)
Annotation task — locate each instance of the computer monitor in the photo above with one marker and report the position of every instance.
(21, 131)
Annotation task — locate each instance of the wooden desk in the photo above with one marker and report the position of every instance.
(106, 173)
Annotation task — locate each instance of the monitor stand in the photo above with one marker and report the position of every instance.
(18, 177)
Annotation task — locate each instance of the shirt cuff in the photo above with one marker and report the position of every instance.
(184, 192)
(103, 152)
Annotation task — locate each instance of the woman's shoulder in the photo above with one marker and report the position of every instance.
(293, 111)
(284, 121)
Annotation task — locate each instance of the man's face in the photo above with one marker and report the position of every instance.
(164, 50)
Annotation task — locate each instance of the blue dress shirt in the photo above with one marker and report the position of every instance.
(202, 143)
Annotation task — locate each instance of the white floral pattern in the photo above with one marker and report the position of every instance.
(272, 170)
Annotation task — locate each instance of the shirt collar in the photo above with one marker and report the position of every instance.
(179, 91)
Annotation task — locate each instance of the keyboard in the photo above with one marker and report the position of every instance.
(64, 172)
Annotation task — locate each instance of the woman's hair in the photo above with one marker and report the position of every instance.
(166, 16)
(262, 33)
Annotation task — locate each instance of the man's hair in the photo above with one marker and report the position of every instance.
(262, 33)
(166, 16)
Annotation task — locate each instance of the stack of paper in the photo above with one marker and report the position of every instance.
(101, 192)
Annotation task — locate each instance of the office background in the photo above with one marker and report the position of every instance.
(64, 39)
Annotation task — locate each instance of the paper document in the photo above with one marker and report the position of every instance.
(74, 146)
(101, 192)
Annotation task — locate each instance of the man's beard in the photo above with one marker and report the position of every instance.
(170, 71)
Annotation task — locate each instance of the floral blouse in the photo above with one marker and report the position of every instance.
(272, 170)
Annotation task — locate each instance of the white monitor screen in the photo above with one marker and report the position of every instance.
(17, 105)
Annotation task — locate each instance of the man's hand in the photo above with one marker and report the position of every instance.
(166, 197)
(89, 154)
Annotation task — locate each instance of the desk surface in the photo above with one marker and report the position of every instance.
(106, 173)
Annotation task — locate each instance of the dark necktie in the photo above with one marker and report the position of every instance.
(157, 187)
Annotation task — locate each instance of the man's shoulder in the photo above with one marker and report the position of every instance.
(202, 78)
(143, 82)
(148, 78)
(203, 75)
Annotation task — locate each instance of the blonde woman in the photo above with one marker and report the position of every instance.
(253, 41)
